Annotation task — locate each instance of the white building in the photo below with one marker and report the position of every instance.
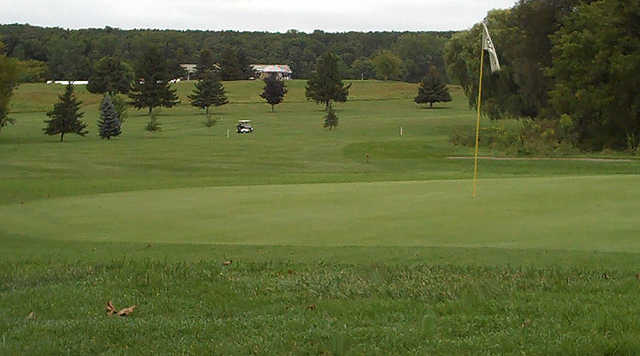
(278, 71)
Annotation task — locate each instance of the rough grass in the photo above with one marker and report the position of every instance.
(364, 267)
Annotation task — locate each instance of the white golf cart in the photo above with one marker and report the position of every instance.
(244, 126)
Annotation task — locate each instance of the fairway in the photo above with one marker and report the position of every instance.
(299, 240)
(580, 213)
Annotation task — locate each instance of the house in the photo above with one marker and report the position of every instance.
(278, 71)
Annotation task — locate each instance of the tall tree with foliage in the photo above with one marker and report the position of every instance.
(596, 66)
(388, 66)
(419, 52)
(522, 38)
(274, 91)
(110, 75)
(363, 68)
(235, 65)
(208, 91)
(152, 89)
(326, 84)
(8, 81)
(206, 63)
(108, 124)
(65, 116)
(432, 89)
(331, 119)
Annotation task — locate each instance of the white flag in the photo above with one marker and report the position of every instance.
(487, 44)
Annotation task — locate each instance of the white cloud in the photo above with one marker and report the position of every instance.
(254, 15)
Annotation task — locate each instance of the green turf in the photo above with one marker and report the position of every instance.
(585, 213)
(331, 254)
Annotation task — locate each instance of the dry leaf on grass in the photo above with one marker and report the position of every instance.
(110, 308)
(123, 312)
(126, 311)
(226, 263)
(32, 316)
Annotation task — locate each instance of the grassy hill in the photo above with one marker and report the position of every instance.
(331, 253)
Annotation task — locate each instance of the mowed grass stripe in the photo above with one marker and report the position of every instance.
(581, 213)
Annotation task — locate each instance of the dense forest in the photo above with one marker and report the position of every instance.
(570, 66)
(46, 52)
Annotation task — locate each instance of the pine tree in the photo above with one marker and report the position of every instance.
(274, 91)
(326, 84)
(108, 124)
(432, 89)
(209, 91)
(152, 88)
(65, 116)
(331, 119)
(154, 124)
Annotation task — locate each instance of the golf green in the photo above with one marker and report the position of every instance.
(582, 213)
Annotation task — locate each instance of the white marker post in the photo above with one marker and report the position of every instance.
(401, 132)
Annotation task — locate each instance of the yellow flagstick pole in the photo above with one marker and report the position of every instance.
(475, 168)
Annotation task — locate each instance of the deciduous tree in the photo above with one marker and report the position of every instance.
(8, 82)
(388, 66)
(110, 75)
(596, 61)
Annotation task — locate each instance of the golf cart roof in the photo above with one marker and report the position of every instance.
(244, 121)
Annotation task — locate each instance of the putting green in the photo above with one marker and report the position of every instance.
(585, 213)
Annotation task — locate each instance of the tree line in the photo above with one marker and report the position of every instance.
(573, 66)
(45, 52)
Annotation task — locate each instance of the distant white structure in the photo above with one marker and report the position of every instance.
(67, 82)
(278, 71)
(189, 69)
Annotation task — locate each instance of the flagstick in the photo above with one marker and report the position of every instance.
(475, 168)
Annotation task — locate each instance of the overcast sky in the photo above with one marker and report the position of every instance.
(254, 15)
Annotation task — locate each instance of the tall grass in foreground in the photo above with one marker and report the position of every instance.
(279, 307)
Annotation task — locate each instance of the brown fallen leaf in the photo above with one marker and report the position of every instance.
(32, 316)
(226, 263)
(127, 311)
(110, 308)
(638, 276)
(311, 307)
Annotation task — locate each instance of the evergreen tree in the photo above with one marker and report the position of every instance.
(331, 119)
(108, 124)
(152, 88)
(326, 84)
(154, 124)
(432, 89)
(65, 116)
(205, 63)
(209, 91)
(274, 91)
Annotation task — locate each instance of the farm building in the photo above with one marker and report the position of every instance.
(278, 71)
